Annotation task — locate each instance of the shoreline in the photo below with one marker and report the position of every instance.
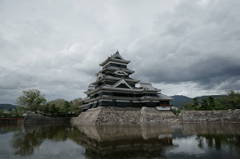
(11, 118)
(134, 116)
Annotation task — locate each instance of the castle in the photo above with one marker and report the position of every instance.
(115, 88)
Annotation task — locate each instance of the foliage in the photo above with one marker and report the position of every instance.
(25, 143)
(77, 101)
(176, 111)
(34, 101)
(31, 99)
(1, 113)
(61, 107)
(13, 113)
(230, 101)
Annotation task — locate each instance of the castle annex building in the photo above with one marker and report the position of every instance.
(115, 88)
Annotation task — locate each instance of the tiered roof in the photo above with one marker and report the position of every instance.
(114, 83)
(119, 76)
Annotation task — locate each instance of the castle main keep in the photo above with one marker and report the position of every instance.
(115, 88)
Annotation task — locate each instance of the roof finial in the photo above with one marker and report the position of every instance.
(117, 55)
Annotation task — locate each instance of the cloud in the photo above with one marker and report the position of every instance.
(197, 43)
(56, 45)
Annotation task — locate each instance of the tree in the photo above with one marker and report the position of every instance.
(204, 104)
(1, 113)
(211, 102)
(75, 105)
(31, 99)
(64, 109)
(59, 105)
(232, 100)
(195, 102)
(66, 106)
(188, 106)
(53, 110)
(77, 102)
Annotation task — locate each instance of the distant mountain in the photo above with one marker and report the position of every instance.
(7, 106)
(180, 100)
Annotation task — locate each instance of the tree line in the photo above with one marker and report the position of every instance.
(33, 100)
(13, 113)
(229, 101)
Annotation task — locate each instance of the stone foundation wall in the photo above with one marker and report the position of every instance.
(118, 116)
(124, 116)
(108, 116)
(151, 116)
(87, 118)
(211, 116)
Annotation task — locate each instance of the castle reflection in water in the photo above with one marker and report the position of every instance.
(122, 142)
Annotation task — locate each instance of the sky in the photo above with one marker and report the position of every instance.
(183, 47)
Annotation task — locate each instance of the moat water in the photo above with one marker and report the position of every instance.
(206, 141)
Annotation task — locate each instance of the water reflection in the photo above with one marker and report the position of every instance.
(25, 141)
(123, 142)
(191, 140)
(218, 141)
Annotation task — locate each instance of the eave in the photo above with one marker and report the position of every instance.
(105, 78)
(126, 98)
(112, 68)
(113, 89)
(114, 60)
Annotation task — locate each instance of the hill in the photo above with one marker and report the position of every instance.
(7, 106)
(180, 100)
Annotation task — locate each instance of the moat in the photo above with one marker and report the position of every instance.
(66, 142)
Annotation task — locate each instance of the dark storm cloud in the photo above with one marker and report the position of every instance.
(56, 46)
(199, 42)
(207, 72)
